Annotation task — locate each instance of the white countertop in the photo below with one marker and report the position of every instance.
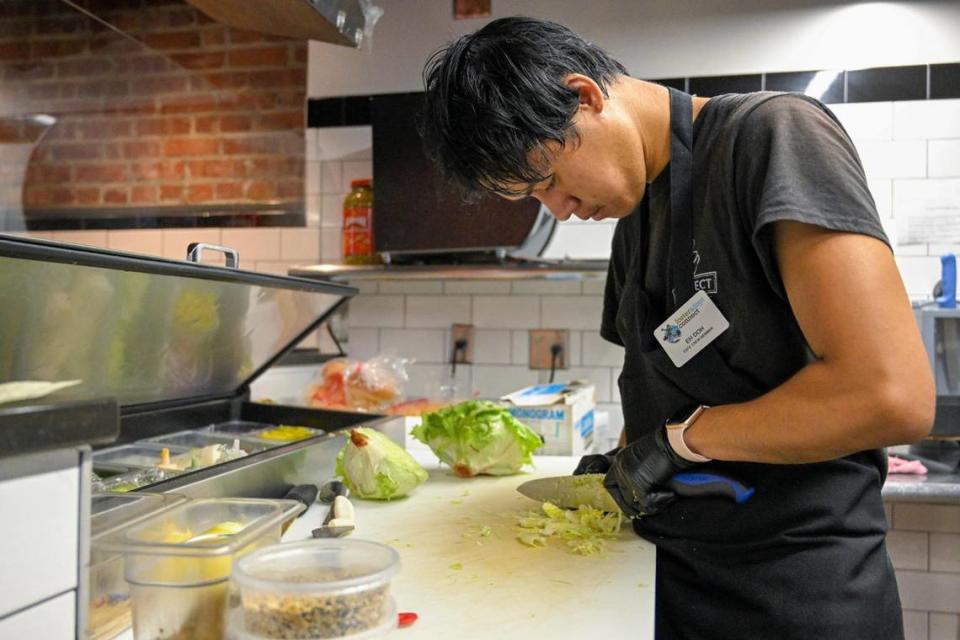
(504, 589)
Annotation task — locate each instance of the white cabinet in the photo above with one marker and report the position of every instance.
(50, 620)
(40, 543)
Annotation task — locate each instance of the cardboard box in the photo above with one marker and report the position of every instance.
(562, 413)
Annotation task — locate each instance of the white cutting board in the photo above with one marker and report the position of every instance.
(504, 589)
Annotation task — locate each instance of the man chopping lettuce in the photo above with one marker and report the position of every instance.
(766, 330)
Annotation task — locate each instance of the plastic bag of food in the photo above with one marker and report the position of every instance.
(355, 385)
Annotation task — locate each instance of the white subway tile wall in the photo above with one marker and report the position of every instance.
(492, 347)
(136, 241)
(507, 312)
(403, 317)
(476, 288)
(437, 311)
(911, 154)
(254, 243)
(944, 626)
(944, 159)
(915, 625)
(924, 546)
(866, 120)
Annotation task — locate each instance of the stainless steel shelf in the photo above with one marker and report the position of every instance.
(584, 270)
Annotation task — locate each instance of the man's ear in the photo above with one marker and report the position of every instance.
(591, 96)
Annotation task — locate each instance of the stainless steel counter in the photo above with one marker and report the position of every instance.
(933, 488)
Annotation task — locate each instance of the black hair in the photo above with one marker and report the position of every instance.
(495, 98)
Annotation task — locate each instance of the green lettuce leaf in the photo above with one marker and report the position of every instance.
(478, 437)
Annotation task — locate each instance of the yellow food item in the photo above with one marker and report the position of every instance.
(173, 534)
(226, 528)
(286, 433)
(165, 461)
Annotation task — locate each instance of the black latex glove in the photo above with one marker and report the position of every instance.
(596, 462)
(640, 471)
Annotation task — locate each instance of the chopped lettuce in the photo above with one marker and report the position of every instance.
(478, 437)
(584, 530)
(374, 467)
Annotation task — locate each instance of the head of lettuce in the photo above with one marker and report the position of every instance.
(478, 437)
(375, 468)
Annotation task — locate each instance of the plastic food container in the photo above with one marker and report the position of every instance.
(108, 607)
(236, 630)
(178, 562)
(239, 427)
(133, 480)
(105, 471)
(316, 589)
(143, 456)
(197, 439)
(281, 434)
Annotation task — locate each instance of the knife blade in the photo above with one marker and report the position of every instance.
(570, 492)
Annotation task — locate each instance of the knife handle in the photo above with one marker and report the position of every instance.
(697, 485)
(303, 493)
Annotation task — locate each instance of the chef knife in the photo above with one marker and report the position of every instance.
(570, 492)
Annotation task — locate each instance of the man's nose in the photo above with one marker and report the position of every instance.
(561, 205)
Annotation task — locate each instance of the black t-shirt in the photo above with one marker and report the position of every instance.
(758, 158)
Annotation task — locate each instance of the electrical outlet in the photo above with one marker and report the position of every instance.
(541, 342)
(462, 332)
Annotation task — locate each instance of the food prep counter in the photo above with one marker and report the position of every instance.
(468, 585)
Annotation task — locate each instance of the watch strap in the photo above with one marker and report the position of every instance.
(675, 431)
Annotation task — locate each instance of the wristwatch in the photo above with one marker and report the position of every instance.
(675, 436)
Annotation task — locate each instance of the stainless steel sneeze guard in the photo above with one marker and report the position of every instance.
(145, 330)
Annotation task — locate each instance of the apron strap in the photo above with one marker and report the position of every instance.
(707, 375)
(680, 283)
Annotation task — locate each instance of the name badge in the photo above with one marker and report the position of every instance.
(688, 331)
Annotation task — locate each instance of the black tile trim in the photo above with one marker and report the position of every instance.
(715, 85)
(343, 111)
(882, 84)
(798, 81)
(911, 82)
(908, 82)
(944, 81)
(324, 112)
(676, 83)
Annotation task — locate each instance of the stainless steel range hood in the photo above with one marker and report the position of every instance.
(335, 21)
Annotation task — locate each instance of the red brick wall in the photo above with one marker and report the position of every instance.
(181, 110)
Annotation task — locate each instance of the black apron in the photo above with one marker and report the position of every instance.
(805, 557)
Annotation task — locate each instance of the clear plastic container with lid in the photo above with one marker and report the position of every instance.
(338, 588)
(108, 609)
(178, 562)
(133, 480)
(197, 439)
(138, 456)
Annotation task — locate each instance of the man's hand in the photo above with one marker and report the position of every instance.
(596, 462)
(638, 476)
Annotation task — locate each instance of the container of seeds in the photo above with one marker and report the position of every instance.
(333, 588)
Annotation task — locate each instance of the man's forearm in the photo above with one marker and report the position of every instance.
(816, 415)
